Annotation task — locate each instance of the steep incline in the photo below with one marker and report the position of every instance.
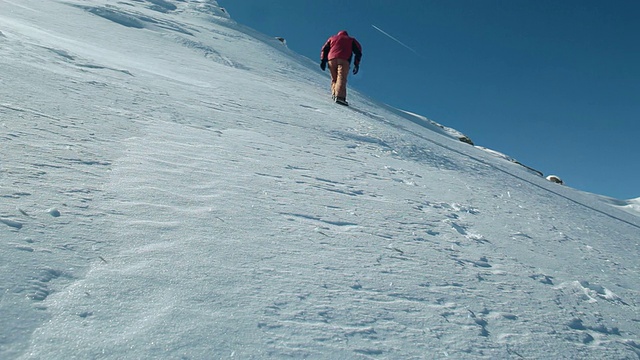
(176, 185)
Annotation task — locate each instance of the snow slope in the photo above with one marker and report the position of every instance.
(175, 185)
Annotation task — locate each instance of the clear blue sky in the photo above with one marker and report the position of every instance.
(554, 84)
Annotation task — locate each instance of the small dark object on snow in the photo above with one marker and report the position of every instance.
(555, 179)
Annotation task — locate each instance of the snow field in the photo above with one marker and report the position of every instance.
(185, 189)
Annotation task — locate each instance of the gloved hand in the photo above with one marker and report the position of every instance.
(323, 64)
(356, 68)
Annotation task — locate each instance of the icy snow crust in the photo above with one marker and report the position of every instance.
(175, 185)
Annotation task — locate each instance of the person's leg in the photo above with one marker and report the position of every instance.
(333, 69)
(341, 78)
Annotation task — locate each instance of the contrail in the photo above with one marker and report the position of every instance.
(394, 39)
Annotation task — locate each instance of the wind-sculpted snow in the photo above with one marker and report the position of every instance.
(186, 190)
(632, 205)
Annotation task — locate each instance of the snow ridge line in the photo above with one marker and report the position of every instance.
(537, 185)
(502, 170)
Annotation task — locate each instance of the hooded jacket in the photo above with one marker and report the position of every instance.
(341, 46)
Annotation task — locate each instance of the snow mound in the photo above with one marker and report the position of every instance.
(436, 127)
(509, 158)
(631, 206)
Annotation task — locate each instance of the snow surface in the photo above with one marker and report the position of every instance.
(175, 185)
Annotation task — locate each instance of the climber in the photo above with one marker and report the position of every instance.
(337, 52)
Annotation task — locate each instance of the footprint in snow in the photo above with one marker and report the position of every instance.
(591, 292)
(54, 212)
(463, 231)
(11, 223)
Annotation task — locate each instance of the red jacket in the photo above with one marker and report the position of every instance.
(341, 46)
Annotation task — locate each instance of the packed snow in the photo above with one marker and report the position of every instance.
(176, 185)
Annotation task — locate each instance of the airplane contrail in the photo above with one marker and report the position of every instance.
(394, 39)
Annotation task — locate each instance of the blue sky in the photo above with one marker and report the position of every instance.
(553, 84)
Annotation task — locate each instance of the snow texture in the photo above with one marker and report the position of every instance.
(175, 185)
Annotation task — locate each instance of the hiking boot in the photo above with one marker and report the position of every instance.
(341, 100)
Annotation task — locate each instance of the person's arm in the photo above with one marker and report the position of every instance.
(324, 54)
(357, 49)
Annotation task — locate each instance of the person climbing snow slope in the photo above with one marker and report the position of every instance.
(337, 52)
